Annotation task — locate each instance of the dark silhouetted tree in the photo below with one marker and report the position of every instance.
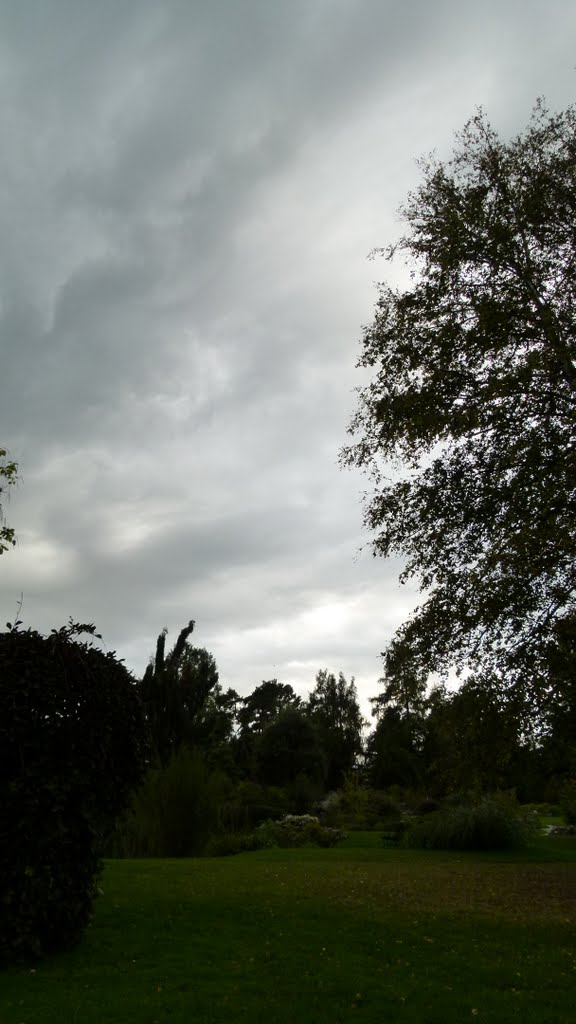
(289, 747)
(174, 689)
(334, 709)
(264, 704)
(469, 421)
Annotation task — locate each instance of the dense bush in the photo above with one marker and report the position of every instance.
(358, 807)
(73, 745)
(568, 802)
(297, 830)
(427, 805)
(489, 824)
(228, 843)
(250, 803)
(175, 811)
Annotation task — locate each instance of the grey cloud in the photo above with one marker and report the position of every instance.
(182, 283)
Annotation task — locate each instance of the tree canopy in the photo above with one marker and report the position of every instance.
(468, 422)
(174, 689)
(333, 707)
(264, 704)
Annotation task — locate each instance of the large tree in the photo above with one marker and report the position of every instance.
(334, 709)
(468, 422)
(289, 747)
(174, 689)
(264, 704)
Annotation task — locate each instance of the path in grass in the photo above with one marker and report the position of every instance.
(318, 936)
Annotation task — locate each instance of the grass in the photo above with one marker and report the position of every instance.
(357, 933)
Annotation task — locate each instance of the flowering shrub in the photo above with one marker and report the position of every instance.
(297, 830)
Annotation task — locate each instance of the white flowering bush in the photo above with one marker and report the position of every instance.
(297, 830)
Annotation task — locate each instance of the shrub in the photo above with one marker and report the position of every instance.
(486, 825)
(229, 843)
(175, 811)
(249, 804)
(545, 810)
(382, 806)
(73, 745)
(297, 830)
(358, 807)
(301, 794)
(427, 806)
(568, 802)
(396, 829)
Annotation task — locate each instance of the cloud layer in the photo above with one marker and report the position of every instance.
(189, 192)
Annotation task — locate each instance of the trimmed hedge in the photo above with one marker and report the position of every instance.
(73, 745)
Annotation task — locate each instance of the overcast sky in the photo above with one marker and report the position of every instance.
(188, 195)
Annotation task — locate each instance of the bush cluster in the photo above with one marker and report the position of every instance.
(568, 802)
(297, 830)
(175, 811)
(489, 824)
(357, 807)
(229, 843)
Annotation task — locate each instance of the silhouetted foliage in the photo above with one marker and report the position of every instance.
(264, 704)
(334, 709)
(73, 746)
(175, 811)
(8, 475)
(257, 711)
(472, 401)
(174, 689)
(290, 746)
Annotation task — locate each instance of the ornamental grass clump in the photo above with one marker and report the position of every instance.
(488, 824)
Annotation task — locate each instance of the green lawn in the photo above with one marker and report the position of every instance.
(358, 933)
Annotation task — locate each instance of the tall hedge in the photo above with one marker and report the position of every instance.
(73, 747)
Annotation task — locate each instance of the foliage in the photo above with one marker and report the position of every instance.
(175, 812)
(380, 806)
(297, 830)
(255, 713)
(358, 806)
(227, 844)
(174, 689)
(427, 806)
(261, 707)
(393, 757)
(249, 804)
(490, 824)
(568, 802)
(334, 709)
(214, 725)
(559, 702)
(473, 736)
(290, 746)
(472, 400)
(352, 798)
(8, 477)
(72, 748)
